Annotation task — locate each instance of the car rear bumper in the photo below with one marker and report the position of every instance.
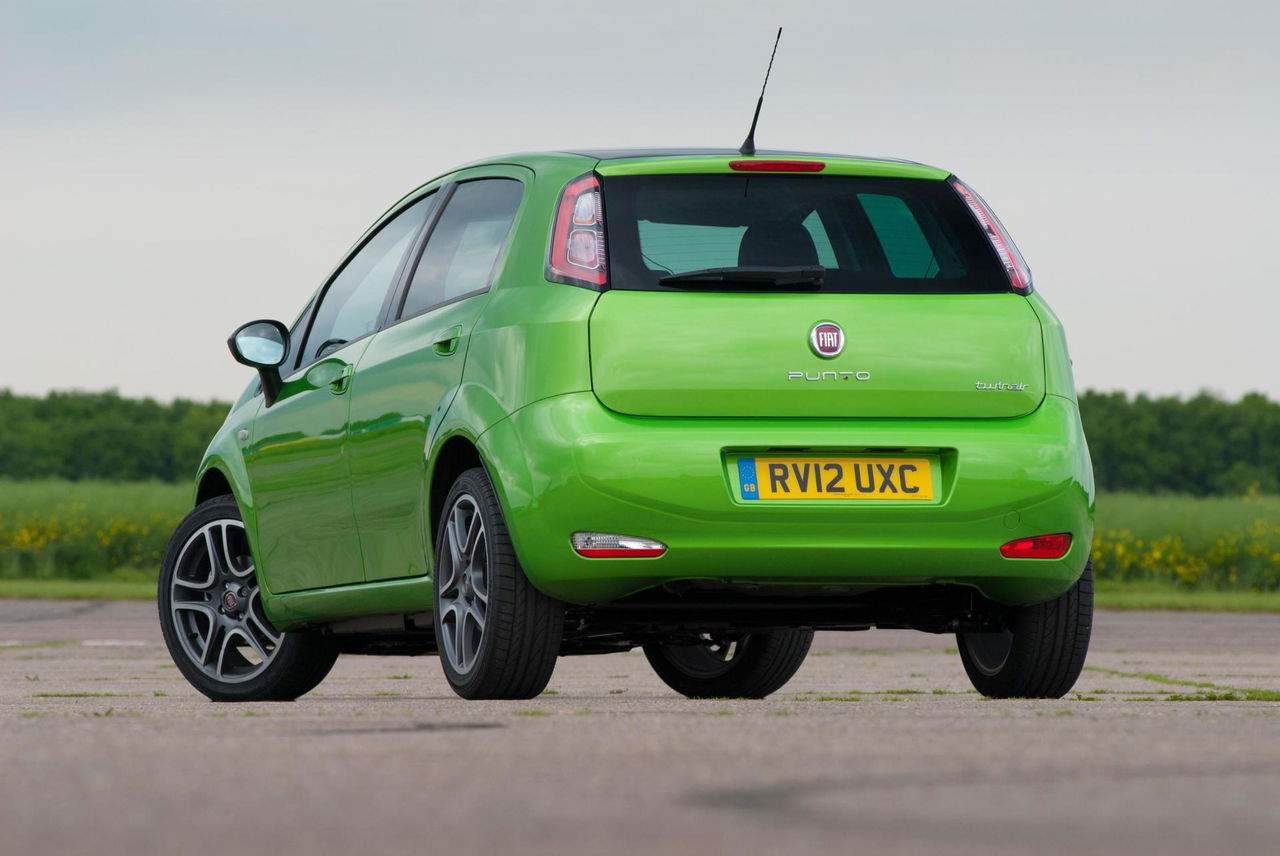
(567, 464)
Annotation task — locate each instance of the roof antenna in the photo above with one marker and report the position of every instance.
(749, 144)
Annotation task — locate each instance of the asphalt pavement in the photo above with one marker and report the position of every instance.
(878, 746)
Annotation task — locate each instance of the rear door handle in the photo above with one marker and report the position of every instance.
(343, 382)
(447, 344)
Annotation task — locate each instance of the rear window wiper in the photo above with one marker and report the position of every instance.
(778, 277)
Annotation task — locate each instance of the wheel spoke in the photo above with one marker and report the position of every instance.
(229, 560)
(213, 552)
(209, 655)
(477, 615)
(244, 634)
(455, 566)
(223, 645)
(181, 564)
(255, 616)
(474, 534)
(459, 635)
(201, 609)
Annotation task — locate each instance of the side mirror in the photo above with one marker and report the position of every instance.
(262, 345)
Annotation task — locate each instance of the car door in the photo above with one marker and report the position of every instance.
(297, 466)
(409, 374)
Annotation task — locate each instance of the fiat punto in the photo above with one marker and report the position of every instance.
(690, 401)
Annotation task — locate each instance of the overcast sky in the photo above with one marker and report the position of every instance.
(171, 169)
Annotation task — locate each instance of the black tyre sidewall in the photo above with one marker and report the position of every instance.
(523, 627)
(301, 660)
(763, 665)
(1050, 642)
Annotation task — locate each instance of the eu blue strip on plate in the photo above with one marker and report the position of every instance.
(747, 478)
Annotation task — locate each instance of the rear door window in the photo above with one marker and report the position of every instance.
(870, 234)
(465, 243)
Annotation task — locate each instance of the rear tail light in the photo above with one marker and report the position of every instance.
(1015, 266)
(601, 545)
(776, 166)
(1038, 547)
(577, 252)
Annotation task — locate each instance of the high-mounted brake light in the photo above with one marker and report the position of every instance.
(1038, 547)
(1014, 265)
(601, 545)
(754, 165)
(576, 254)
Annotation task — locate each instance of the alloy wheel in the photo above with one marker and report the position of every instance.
(464, 590)
(216, 605)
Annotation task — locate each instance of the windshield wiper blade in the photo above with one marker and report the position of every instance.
(792, 277)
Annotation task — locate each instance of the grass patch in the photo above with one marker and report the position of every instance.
(111, 589)
(530, 712)
(1211, 692)
(25, 646)
(1154, 594)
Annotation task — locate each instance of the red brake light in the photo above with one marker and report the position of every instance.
(1014, 264)
(1038, 547)
(777, 166)
(577, 252)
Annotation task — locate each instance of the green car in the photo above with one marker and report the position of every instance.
(691, 401)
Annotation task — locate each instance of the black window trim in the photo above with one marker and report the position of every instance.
(402, 289)
(316, 301)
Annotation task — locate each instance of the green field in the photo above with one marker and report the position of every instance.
(99, 539)
(1221, 543)
(54, 529)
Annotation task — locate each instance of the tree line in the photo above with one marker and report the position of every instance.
(1202, 445)
(102, 435)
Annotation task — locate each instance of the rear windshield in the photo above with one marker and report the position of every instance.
(893, 235)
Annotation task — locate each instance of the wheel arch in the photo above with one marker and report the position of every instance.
(213, 482)
(453, 456)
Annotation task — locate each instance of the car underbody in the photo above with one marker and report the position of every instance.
(695, 610)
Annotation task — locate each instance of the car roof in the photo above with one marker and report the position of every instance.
(618, 154)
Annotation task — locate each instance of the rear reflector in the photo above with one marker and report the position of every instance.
(601, 545)
(777, 166)
(1038, 547)
(1014, 265)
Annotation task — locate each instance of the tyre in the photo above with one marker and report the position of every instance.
(1040, 651)
(749, 666)
(212, 618)
(499, 637)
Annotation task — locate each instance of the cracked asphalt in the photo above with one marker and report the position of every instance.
(878, 745)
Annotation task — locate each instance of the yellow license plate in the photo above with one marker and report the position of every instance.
(835, 478)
